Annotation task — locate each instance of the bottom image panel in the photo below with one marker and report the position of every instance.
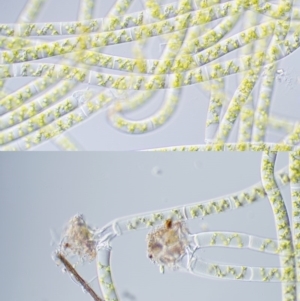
(150, 226)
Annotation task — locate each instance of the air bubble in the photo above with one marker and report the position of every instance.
(280, 71)
(156, 171)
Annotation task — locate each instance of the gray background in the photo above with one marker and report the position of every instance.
(40, 192)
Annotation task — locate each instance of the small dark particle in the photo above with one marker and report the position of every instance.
(168, 223)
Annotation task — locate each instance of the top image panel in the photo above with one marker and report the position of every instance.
(128, 75)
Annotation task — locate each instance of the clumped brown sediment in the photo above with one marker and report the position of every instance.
(78, 239)
(167, 244)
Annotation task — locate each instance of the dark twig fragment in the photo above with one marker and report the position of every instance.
(77, 277)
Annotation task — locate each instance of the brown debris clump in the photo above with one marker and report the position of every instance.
(78, 239)
(167, 244)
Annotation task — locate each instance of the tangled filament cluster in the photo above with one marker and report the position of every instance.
(196, 53)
